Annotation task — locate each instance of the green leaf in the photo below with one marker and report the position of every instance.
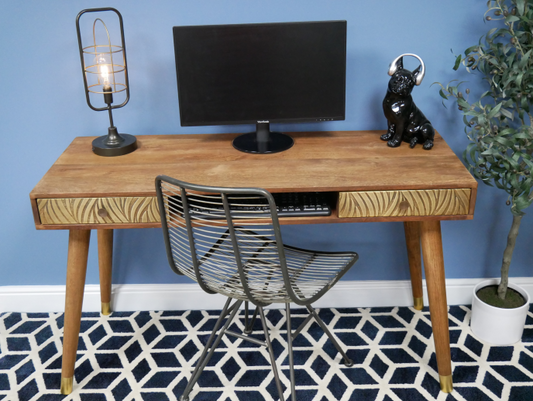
(463, 103)
(506, 131)
(529, 163)
(511, 59)
(491, 32)
(471, 151)
(490, 152)
(471, 49)
(494, 111)
(524, 60)
(526, 185)
(524, 104)
(521, 203)
(501, 32)
(494, 61)
(519, 79)
(485, 94)
(457, 63)
(499, 185)
(515, 166)
(520, 6)
(511, 18)
(507, 114)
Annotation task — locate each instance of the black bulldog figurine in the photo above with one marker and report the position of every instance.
(405, 121)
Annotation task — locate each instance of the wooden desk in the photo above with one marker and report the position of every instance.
(82, 191)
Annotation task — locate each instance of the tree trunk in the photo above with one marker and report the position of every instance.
(507, 256)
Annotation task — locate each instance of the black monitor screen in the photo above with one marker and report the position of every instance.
(273, 72)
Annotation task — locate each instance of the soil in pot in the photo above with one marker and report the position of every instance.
(489, 295)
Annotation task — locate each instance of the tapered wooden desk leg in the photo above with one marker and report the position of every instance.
(105, 262)
(438, 307)
(78, 249)
(412, 240)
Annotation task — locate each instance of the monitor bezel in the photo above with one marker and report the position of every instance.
(269, 120)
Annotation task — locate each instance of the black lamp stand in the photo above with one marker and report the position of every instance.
(113, 144)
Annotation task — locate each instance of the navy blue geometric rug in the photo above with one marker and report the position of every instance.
(147, 356)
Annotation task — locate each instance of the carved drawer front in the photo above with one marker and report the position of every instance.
(439, 202)
(98, 210)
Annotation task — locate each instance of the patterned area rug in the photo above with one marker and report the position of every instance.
(147, 356)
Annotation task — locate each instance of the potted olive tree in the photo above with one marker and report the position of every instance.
(498, 124)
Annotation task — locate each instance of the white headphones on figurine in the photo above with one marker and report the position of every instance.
(419, 77)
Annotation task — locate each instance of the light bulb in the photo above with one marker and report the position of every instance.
(104, 73)
(103, 70)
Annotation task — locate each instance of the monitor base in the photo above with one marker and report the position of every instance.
(263, 141)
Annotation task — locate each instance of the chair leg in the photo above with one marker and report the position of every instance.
(271, 353)
(205, 357)
(289, 346)
(347, 361)
(249, 324)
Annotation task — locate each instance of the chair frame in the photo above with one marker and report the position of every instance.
(231, 310)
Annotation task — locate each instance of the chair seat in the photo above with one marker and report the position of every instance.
(311, 274)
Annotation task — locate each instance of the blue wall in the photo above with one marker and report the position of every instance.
(42, 108)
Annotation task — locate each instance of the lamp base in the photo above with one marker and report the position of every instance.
(102, 148)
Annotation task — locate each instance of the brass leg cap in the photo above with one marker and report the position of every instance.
(418, 303)
(106, 308)
(446, 384)
(66, 385)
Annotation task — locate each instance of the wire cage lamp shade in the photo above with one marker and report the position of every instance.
(105, 73)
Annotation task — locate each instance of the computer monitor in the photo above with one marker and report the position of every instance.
(261, 74)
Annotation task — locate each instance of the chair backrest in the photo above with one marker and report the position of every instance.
(214, 238)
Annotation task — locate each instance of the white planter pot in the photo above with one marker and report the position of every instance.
(498, 326)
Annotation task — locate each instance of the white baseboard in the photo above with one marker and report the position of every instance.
(132, 297)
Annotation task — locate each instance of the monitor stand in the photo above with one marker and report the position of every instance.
(263, 141)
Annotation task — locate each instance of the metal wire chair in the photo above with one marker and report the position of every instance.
(229, 241)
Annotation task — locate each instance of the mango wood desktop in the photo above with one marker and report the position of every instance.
(374, 183)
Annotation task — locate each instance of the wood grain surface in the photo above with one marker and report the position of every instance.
(345, 161)
(98, 210)
(434, 202)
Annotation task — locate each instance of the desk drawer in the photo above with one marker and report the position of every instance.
(439, 202)
(98, 210)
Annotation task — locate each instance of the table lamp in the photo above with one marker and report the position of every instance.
(105, 72)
